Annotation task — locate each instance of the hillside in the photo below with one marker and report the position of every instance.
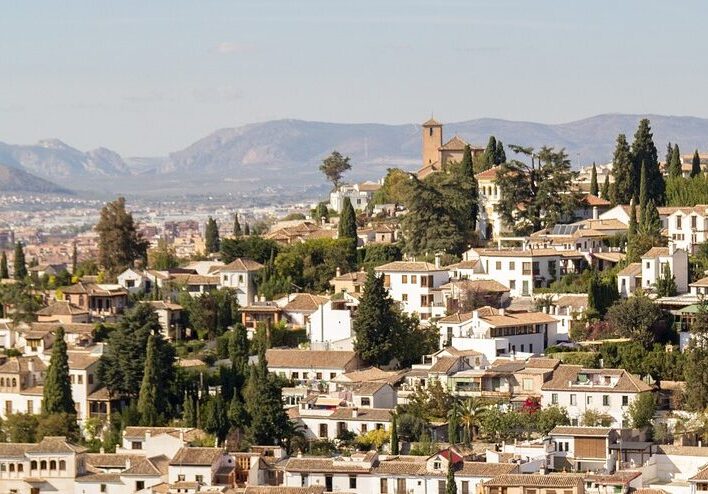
(15, 180)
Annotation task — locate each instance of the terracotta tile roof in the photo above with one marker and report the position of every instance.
(461, 353)
(562, 430)
(518, 252)
(649, 490)
(372, 374)
(56, 445)
(682, 450)
(145, 467)
(431, 122)
(655, 252)
(490, 174)
(195, 279)
(579, 300)
(81, 360)
(14, 450)
(535, 480)
(162, 305)
(62, 308)
(323, 359)
(633, 269)
(456, 143)
(103, 290)
(100, 477)
(136, 432)
(305, 302)
(368, 186)
(362, 414)
(196, 456)
(477, 285)
(609, 256)
(16, 365)
(542, 363)
(495, 318)
(354, 276)
(73, 328)
(111, 460)
(408, 267)
(482, 469)
(395, 466)
(462, 265)
(241, 265)
(312, 465)
(703, 282)
(313, 489)
(444, 365)
(602, 224)
(565, 374)
(592, 200)
(369, 388)
(456, 318)
(617, 478)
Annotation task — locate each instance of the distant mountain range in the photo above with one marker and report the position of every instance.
(15, 180)
(288, 152)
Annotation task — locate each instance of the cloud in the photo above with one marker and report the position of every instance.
(233, 47)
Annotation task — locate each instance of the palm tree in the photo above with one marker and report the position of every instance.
(470, 415)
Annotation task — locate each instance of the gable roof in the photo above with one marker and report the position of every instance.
(536, 480)
(196, 456)
(456, 143)
(325, 359)
(490, 174)
(242, 264)
(565, 375)
(655, 252)
(408, 267)
(504, 318)
(632, 269)
(305, 302)
(62, 308)
(561, 430)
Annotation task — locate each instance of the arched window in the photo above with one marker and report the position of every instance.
(33, 465)
(43, 465)
(62, 465)
(12, 467)
(14, 382)
(2, 382)
(53, 465)
(21, 467)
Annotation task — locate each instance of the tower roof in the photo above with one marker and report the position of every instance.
(432, 123)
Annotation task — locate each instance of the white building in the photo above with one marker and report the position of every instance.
(311, 366)
(331, 324)
(414, 286)
(359, 195)
(240, 275)
(581, 448)
(629, 279)
(198, 465)
(698, 288)
(687, 227)
(653, 262)
(606, 391)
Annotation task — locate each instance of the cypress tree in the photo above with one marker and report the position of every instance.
(623, 189)
(644, 154)
(666, 283)
(643, 191)
(450, 485)
(632, 254)
(394, 434)
(674, 167)
(263, 399)
(467, 171)
(489, 153)
(650, 220)
(452, 426)
(592, 295)
(19, 262)
(56, 397)
(237, 227)
(322, 212)
(376, 324)
(216, 418)
(347, 229)
(4, 272)
(247, 229)
(238, 349)
(695, 164)
(74, 259)
(669, 155)
(148, 399)
(211, 236)
(605, 193)
(594, 188)
(237, 412)
(189, 412)
(499, 155)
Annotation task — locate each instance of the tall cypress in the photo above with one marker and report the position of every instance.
(489, 153)
(4, 272)
(56, 397)
(623, 189)
(650, 223)
(74, 259)
(238, 349)
(450, 485)
(605, 193)
(674, 167)
(247, 229)
(644, 151)
(499, 155)
(669, 155)
(632, 254)
(19, 262)
(394, 434)
(695, 164)
(149, 399)
(377, 326)
(211, 236)
(467, 171)
(643, 191)
(347, 229)
(594, 187)
(237, 227)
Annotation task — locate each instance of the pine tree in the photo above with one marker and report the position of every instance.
(347, 229)
(695, 164)
(19, 263)
(674, 166)
(643, 191)
(594, 188)
(666, 283)
(644, 154)
(237, 227)
(149, 398)
(488, 158)
(450, 484)
(56, 397)
(377, 325)
(119, 242)
(499, 155)
(74, 259)
(394, 434)
(4, 272)
(605, 193)
(623, 189)
(211, 236)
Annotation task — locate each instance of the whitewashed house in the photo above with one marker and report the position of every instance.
(330, 326)
(240, 275)
(359, 194)
(414, 286)
(687, 227)
(653, 262)
(198, 465)
(311, 366)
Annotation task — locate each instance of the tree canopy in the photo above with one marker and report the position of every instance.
(334, 166)
(119, 243)
(56, 397)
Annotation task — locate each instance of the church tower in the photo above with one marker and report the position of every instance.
(432, 140)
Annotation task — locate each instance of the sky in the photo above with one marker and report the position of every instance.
(146, 78)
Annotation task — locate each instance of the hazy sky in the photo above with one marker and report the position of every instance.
(147, 77)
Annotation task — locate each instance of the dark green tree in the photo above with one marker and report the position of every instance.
(74, 259)
(347, 228)
(499, 155)
(641, 410)
(489, 156)
(643, 190)
(605, 193)
(334, 166)
(376, 324)
(237, 227)
(263, 398)
(151, 399)
(394, 434)
(119, 243)
(538, 195)
(4, 272)
(695, 375)
(189, 412)
(212, 242)
(453, 426)
(623, 190)
(674, 166)
(695, 164)
(215, 419)
(19, 263)
(56, 397)
(644, 152)
(666, 282)
(650, 222)
(450, 484)
(239, 349)
(247, 229)
(669, 156)
(635, 318)
(322, 212)
(594, 187)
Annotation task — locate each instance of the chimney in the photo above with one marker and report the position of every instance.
(148, 435)
(101, 450)
(502, 312)
(355, 412)
(595, 213)
(127, 463)
(338, 272)
(437, 261)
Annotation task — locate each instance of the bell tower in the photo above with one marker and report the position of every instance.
(432, 140)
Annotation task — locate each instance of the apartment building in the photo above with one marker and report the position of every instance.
(414, 286)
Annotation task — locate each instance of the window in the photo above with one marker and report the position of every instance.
(554, 398)
(573, 400)
(295, 375)
(625, 400)
(33, 465)
(139, 485)
(648, 264)
(62, 465)
(80, 379)
(323, 430)
(129, 284)
(442, 487)
(694, 222)
(387, 280)
(364, 428)
(379, 427)
(401, 485)
(404, 297)
(240, 278)
(20, 467)
(525, 288)
(318, 376)
(43, 465)
(526, 268)
(404, 278)
(365, 401)
(103, 487)
(136, 445)
(8, 407)
(199, 478)
(304, 479)
(605, 400)
(466, 487)
(414, 279)
(90, 378)
(383, 489)
(30, 406)
(588, 401)
(678, 222)
(332, 375)
(352, 481)
(512, 284)
(498, 265)
(512, 265)
(180, 478)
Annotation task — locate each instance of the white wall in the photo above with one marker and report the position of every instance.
(327, 324)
